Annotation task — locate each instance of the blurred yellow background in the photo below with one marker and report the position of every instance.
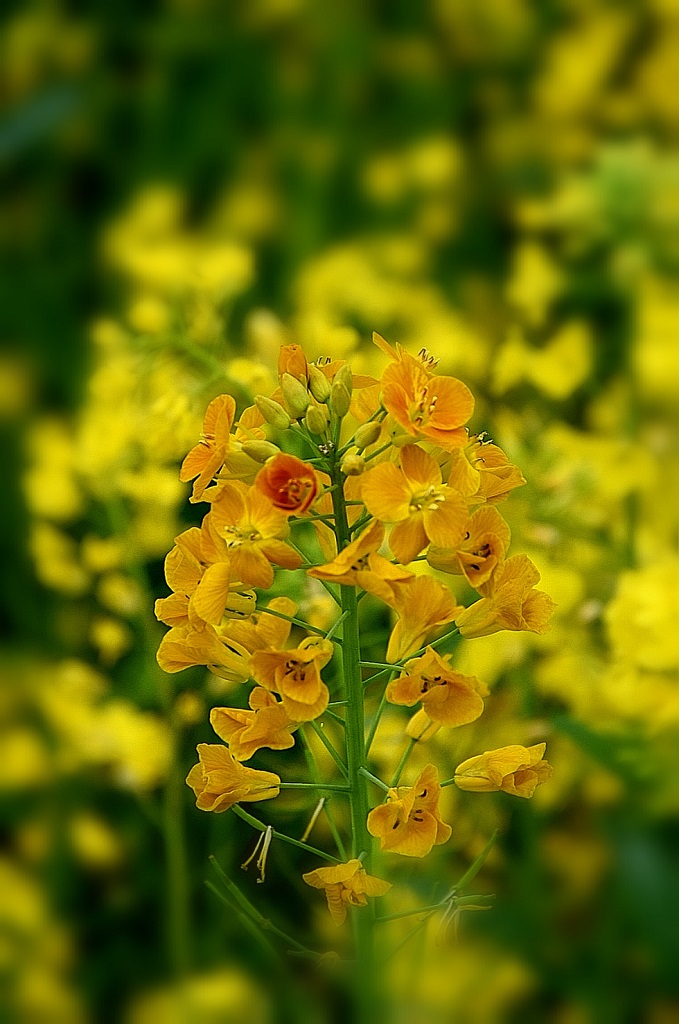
(187, 185)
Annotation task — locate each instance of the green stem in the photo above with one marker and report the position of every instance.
(332, 787)
(327, 810)
(249, 908)
(291, 618)
(365, 992)
(373, 778)
(383, 448)
(335, 626)
(329, 747)
(261, 827)
(402, 763)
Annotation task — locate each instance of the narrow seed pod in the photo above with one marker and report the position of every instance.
(352, 464)
(319, 385)
(367, 434)
(316, 420)
(295, 395)
(340, 400)
(272, 412)
(260, 451)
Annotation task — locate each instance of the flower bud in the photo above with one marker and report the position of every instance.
(367, 434)
(353, 465)
(316, 421)
(319, 385)
(421, 728)
(401, 440)
(272, 412)
(345, 376)
(260, 451)
(295, 395)
(340, 400)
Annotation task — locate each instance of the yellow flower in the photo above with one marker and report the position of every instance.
(220, 781)
(447, 696)
(207, 457)
(185, 646)
(510, 602)
(482, 472)
(423, 605)
(346, 885)
(514, 769)
(359, 565)
(296, 676)
(426, 406)
(210, 590)
(409, 822)
(484, 546)
(416, 499)
(265, 725)
(250, 530)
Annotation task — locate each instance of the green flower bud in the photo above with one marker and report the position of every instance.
(367, 434)
(260, 451)
(340, 399)
(352, 465)
(272, 412)
(295, 395)
(345, 376)
(319, 385)
(316, 421)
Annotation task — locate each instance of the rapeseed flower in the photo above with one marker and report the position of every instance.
(447, 696)
(409, 822)
(510, 602)
(220, 781)
(346, 885)
(514, 769)
(414, 497)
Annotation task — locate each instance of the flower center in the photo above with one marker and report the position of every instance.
(235, 536)
(426, 501)
(424, 406)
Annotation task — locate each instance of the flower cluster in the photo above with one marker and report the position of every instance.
(398, 504)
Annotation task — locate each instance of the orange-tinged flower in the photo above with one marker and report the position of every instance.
(409, 822)
(447, 696)
(514, 769)
(346, 885)
(423, 604)
(291, 359)
(482, 472)
(296, 676)
(510, 602)
(251, 531)
(290, 484)
(265, 725)
(482, 549)
(220, 781)
(415, 498)
(359, 565)
(435, 408)
(207, 457)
